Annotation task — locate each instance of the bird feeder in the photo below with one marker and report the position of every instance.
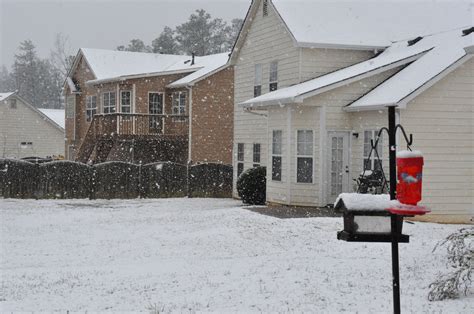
(366, 218)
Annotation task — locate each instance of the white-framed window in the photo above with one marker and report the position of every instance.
(179, 105)
(240, 158)
(372, 163)
(257, 85)
(108, 102)
(126, 101)
(273, 76)
(70, 106)
(25, 145)
(277, 143)
(256, 154)
(91, 107)
(304, 156)
(265, 8)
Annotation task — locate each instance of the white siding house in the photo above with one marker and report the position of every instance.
(27, 132)
(331, 100)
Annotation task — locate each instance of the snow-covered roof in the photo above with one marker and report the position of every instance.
(4, 96)
(426, 58)
(355, 202)
(449, 48)
(57, 115)
(211, 64)
(364, 24)
(111, 65)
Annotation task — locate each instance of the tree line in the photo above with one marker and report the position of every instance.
(201, 35)
(40, 80)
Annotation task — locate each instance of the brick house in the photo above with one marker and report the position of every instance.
(144, 107)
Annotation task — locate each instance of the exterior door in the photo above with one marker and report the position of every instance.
(338, 165)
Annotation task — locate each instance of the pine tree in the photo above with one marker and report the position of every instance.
(7, 82)
(25, 71)
(135, 45)
(165, 43)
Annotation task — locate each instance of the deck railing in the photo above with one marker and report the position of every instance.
(139, 124)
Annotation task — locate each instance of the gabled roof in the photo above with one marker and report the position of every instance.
(358, 25)
(111, 65)
(4, 96)
(34, 109)
(449, 51)
(57, 115)
(425, 59)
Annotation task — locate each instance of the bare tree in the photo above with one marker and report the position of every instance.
(460, 247)
(61, 54)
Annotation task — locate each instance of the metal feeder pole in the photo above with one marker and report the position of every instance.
(394, 218)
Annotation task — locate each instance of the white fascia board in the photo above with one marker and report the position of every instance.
(191, 83)
(269, 103)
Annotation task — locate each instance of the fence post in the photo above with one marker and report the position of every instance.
(92, 183)
(141, 193)
(188, 180)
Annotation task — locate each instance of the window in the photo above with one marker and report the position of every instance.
(304, 163)
(70, 106)
(256, 155)
(277, 141)
(108, 102)
(91, 107)
(273, 76)
(155, 106)
(372, 163)
(179, 105)
(265, 8)
(257, 85)
(126, 102)
(25, 145)
(13, 103)
(240, 158)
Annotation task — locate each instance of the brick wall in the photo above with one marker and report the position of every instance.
(212, 118)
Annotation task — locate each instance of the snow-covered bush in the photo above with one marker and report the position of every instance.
(460, 247)
(251, 186)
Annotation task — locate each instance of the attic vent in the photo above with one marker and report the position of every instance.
(414, 41)
(467, 31)
(265, 8)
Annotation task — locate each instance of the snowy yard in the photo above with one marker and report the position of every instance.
(203, 255)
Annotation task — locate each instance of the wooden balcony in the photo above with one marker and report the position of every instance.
(106, 129)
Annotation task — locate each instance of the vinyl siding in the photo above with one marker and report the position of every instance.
(316, 61)
(23, 124)
(441, 120)
(267, 40)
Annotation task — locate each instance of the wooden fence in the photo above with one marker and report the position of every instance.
(112, 180)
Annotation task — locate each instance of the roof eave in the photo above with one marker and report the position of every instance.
(138, 76)
(191, 83)
(369, 107)
(265, 104)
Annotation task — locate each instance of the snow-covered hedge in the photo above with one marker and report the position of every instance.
(251, 186)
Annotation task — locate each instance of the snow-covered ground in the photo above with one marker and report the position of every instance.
(189, 255)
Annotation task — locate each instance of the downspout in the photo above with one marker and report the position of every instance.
(190, 132)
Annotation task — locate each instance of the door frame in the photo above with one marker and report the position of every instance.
(348, 147)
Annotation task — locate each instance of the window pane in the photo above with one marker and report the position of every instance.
(276, 168)
(274, 71)
(277, 142)
(304, 173)
(305, 143)
(258, 75)
(240, 151)
(256, 153)
(257, 91)
(273, 87)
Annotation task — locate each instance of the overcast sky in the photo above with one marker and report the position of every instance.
(109, 23)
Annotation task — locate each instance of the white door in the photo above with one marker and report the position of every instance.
(338, 165)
